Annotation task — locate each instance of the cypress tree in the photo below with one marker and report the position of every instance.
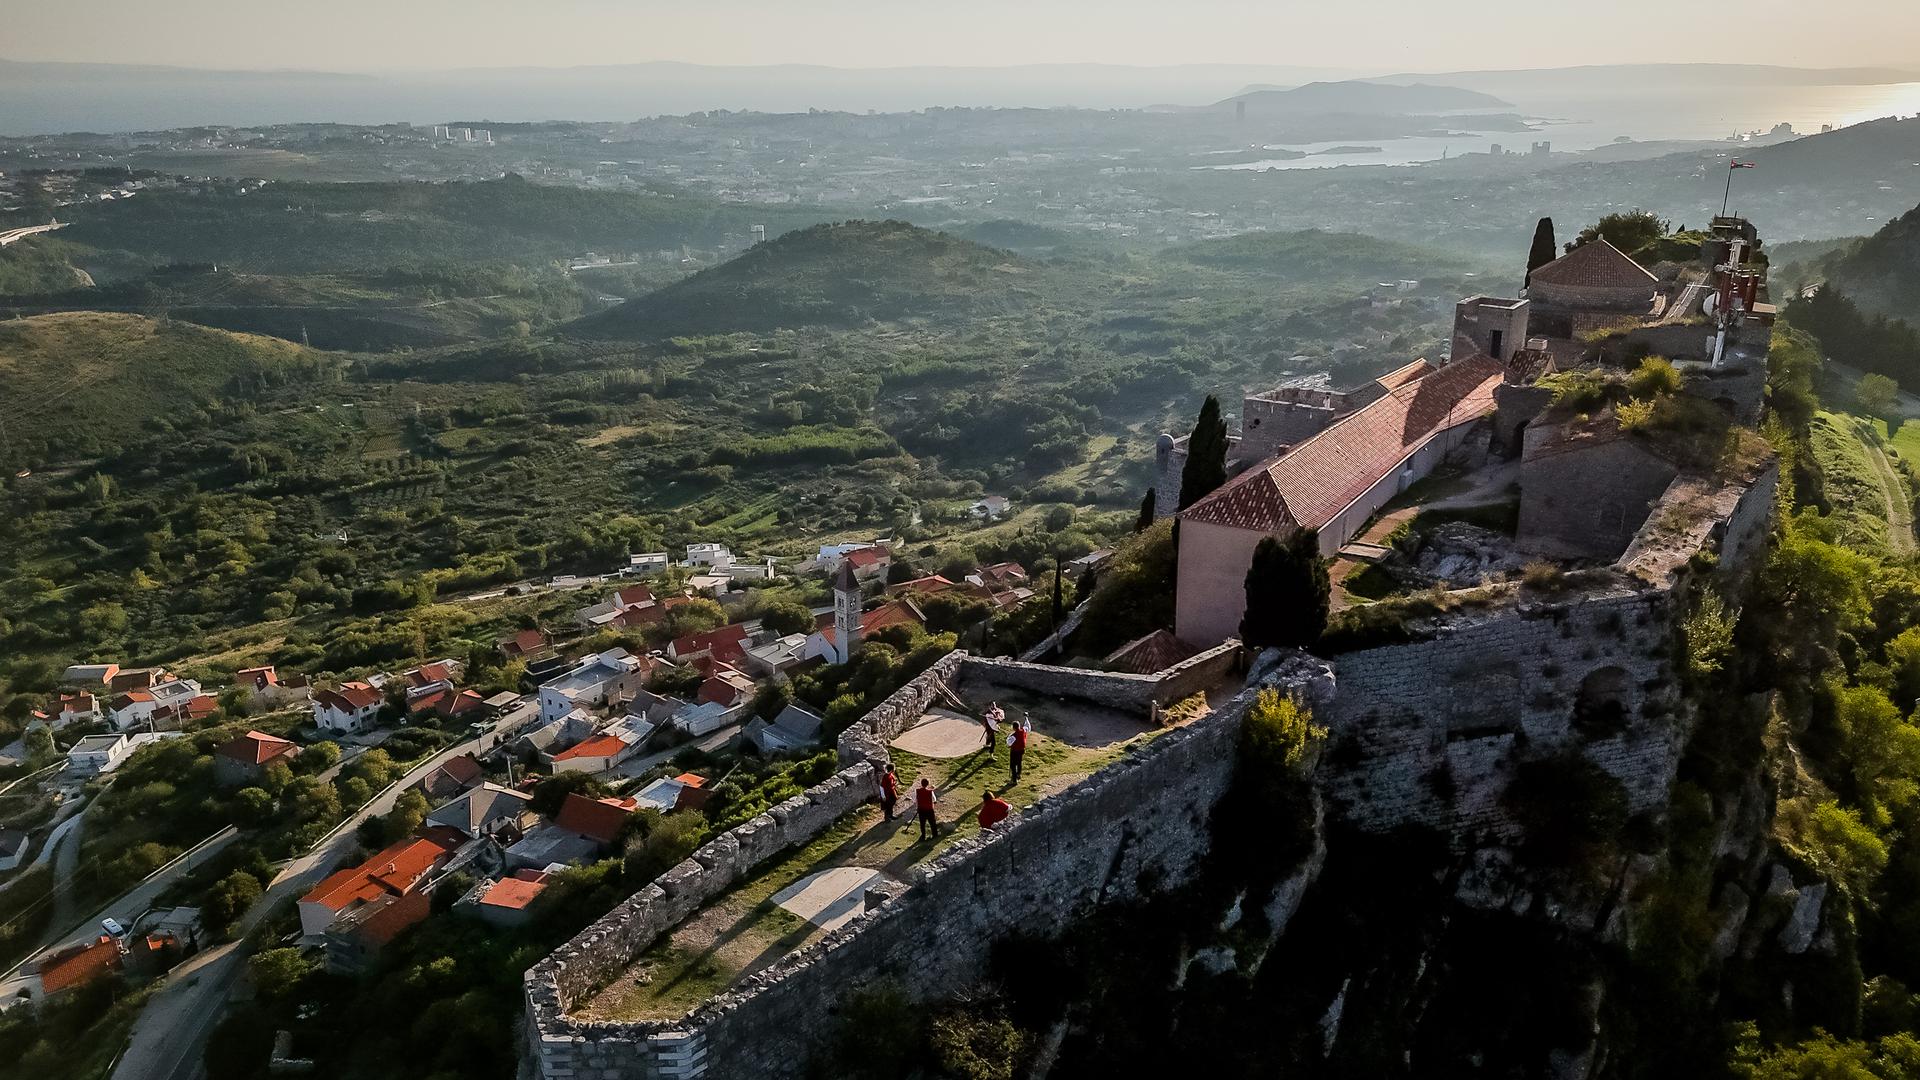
(1145, 519)
(1288, 594)
(1206, 466)
(1544, 250)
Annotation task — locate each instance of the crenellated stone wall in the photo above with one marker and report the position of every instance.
(1140, 821)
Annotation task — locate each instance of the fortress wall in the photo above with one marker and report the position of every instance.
(1430, 732)
(1140, 822)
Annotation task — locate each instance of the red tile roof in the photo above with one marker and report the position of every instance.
(891, 613)
(932, 583)
(393, 871)
(78, 965)
(524, 642)
(351, 697)
(257, 677)
(596, 746)
(725, 645)
(861, 558)
(130, 697)
(595, 819)
(1145, 656)
(1316, 480)
(1598, 265)
(512, 893)
(256, 748)
(633, 596)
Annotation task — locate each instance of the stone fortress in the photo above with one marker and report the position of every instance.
(1427, 724)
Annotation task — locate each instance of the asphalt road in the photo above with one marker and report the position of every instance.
(168, 1036)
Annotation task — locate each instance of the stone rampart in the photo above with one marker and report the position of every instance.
(869, 736)
(1141, 821)
(1430, 732)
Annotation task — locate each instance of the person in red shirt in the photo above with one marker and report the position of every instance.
(993, 809)
(1018, 742)
(923, 800)
(889, 792)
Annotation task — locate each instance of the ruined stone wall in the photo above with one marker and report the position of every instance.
(1587, 500)
(1430, 732)
(1124, 691)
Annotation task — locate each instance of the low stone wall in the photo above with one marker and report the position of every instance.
(868, 738)
(603, 950)
(1123, 691)
(1141, 821)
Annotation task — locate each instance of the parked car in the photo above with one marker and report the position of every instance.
(112, 926)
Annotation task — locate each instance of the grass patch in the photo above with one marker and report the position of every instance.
(1854, 490)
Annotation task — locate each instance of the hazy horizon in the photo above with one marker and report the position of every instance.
(443, 35)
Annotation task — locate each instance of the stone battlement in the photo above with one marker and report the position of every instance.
(1142, 818)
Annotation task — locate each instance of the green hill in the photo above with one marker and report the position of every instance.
(834, 275)
(78, 384)
(302, 227)
(1313, 255)
(1882, 274)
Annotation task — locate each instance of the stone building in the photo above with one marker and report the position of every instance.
(1332, 482)
(1593, 287)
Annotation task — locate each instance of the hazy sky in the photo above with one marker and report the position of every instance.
(1368, 35)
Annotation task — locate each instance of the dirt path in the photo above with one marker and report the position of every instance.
(1894, 491)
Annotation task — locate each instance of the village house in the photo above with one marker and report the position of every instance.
(351, 709)
(991, 508)
(450, 777)
(579, 833)
(920, 586)
(81, 708)
(710, 555)
(505, 903)
(795, 730)
(246, 759)
(78, 965)
(776, 657)
(489, 810)
(591, 683)
(358, 911)
(100, 675)
(1000, 577)
(727, 687)
(868, 562)
(164, 702)
(604, 749)
(268, 689)
(631, 606)
(647, 563)
(688, 791)
(523, 645)
(98, 754)
(725, 645)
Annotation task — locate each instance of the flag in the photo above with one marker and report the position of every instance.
(1738, 164)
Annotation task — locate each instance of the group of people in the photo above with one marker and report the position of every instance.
(993, 808)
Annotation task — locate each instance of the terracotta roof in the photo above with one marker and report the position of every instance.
(79, 965)
(257, 677)
(865, 557)
(1316, 480)
(452, 775)
(393, 871)
(596, 746)
(694, 792)
(512, 893)
(1144, 656)
(350, 697)
(891, 613)
(932, 583)
(525, 641)
(256, 748)
(633, 596)
(130, 697)
(595, 819)
(1598, 265)
(385, 924)
(724, 644)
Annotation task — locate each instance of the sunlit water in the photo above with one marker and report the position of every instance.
(1575, 124)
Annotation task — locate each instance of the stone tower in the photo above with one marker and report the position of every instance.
(846, 612)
